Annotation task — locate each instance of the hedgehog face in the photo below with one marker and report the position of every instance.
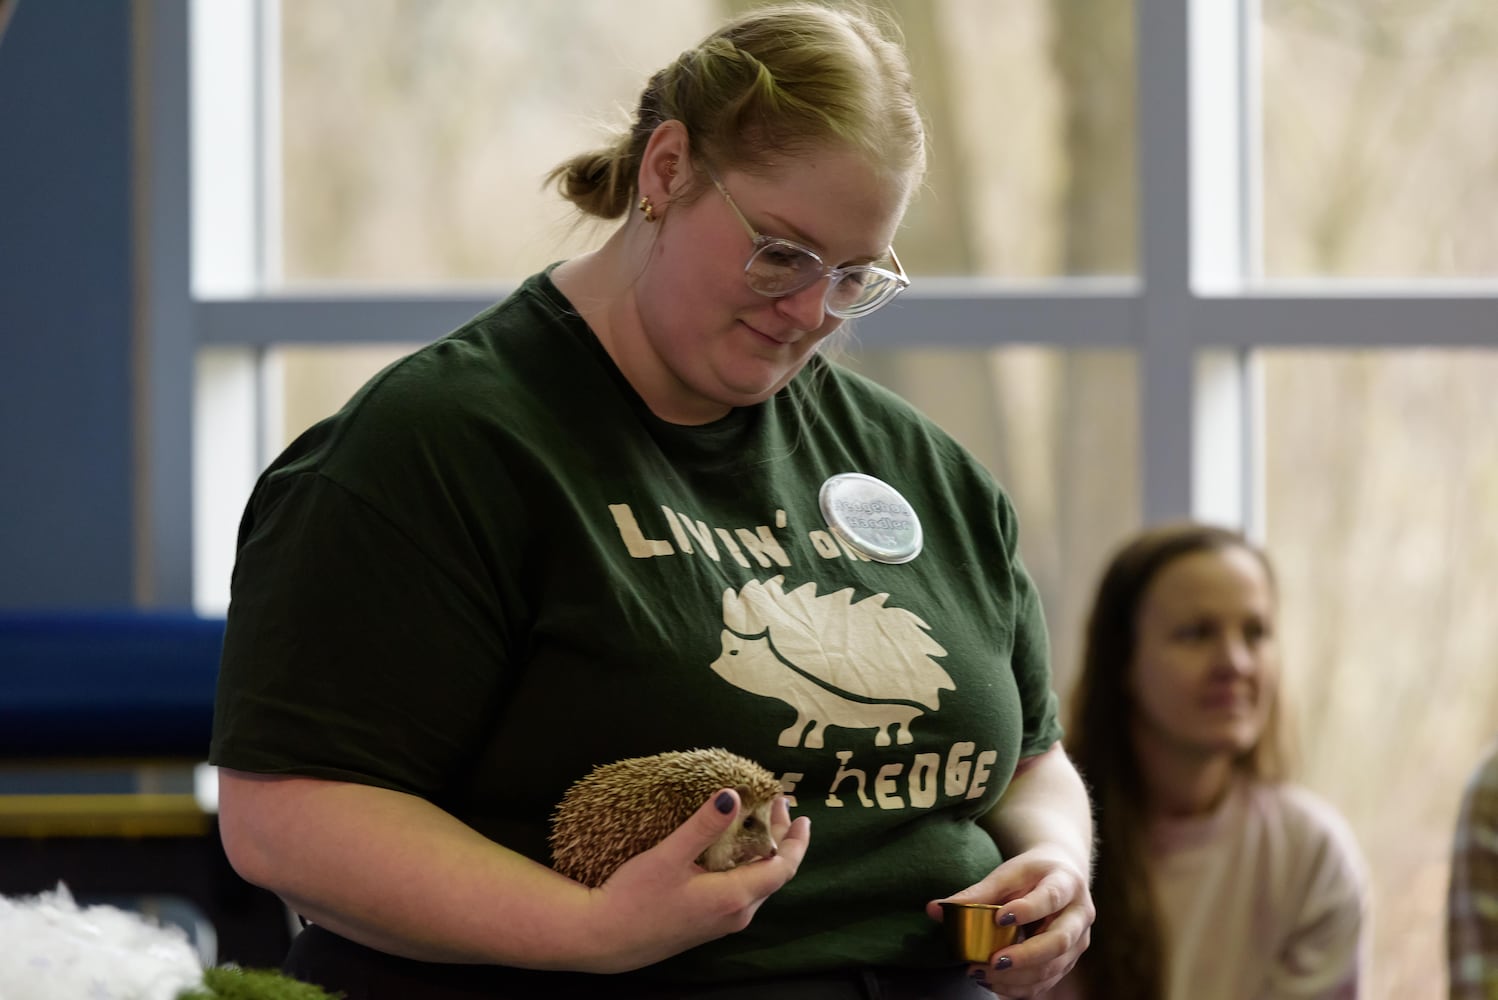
(749, 839)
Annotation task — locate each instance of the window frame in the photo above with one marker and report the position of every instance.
(1193, 317)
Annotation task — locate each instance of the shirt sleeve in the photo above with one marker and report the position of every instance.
(1326, 955)
(1031, 657)
(1472, 902)
(352, 652)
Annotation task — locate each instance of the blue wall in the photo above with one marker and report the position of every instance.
(65, 305)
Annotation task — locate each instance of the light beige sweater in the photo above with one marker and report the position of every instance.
(1264, 899)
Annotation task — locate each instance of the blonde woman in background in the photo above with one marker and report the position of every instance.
(1215, 879)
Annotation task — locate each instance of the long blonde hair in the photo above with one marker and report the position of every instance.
(777, 81)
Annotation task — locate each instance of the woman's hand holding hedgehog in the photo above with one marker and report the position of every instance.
(622, 809)
(686, 825)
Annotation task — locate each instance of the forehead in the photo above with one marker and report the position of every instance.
(835, 199)
(1217, 580)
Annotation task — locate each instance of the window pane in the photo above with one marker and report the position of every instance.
(1060, 431)
(1382, 482)
(1380, 156)
(416, 132)
(310, 383)
(237, 435)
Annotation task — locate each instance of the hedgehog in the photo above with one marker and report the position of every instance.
(620, 809)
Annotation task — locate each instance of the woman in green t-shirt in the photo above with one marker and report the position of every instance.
(631, 509)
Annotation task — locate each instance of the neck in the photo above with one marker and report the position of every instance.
(1181, 783)
(601, 287)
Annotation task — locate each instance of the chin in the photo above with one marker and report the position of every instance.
(1239, 743)
(1215, 740)
(751, 392)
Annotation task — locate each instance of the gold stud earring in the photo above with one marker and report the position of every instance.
(647, 208)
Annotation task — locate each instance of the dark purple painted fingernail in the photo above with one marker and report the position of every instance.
(724, 802)
(1007, 920)
(979, 974)
(1003, 963)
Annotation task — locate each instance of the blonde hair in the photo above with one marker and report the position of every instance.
(777, 81)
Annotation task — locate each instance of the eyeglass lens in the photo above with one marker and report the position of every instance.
(780, 268)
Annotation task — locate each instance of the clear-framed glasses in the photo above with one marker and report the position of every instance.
(780, 267)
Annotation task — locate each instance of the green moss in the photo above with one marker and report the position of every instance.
(233, 983)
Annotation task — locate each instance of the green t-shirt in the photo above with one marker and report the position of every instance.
(495, 569)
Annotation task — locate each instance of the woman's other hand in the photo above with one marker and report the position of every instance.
(1043, 826)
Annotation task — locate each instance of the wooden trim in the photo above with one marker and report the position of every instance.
(121, 815)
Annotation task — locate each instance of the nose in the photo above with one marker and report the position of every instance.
(807, 308)
(1238, 654)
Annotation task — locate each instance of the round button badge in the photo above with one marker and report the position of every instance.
(872, 517)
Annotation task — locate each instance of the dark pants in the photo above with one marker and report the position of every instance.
(341, 966)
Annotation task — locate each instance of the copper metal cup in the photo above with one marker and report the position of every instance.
(973, 930)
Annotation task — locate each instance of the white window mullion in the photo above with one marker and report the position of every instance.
(1223, 130)
(224, 433)
(268, 159)
(1226, 484)
(235, 134)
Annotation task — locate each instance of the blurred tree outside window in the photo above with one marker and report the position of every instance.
(1380, 152)
(1380, 161)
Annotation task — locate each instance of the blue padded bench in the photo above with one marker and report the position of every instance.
(103, 716)
(107, 684)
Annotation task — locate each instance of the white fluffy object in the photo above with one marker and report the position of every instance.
(53, 949)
